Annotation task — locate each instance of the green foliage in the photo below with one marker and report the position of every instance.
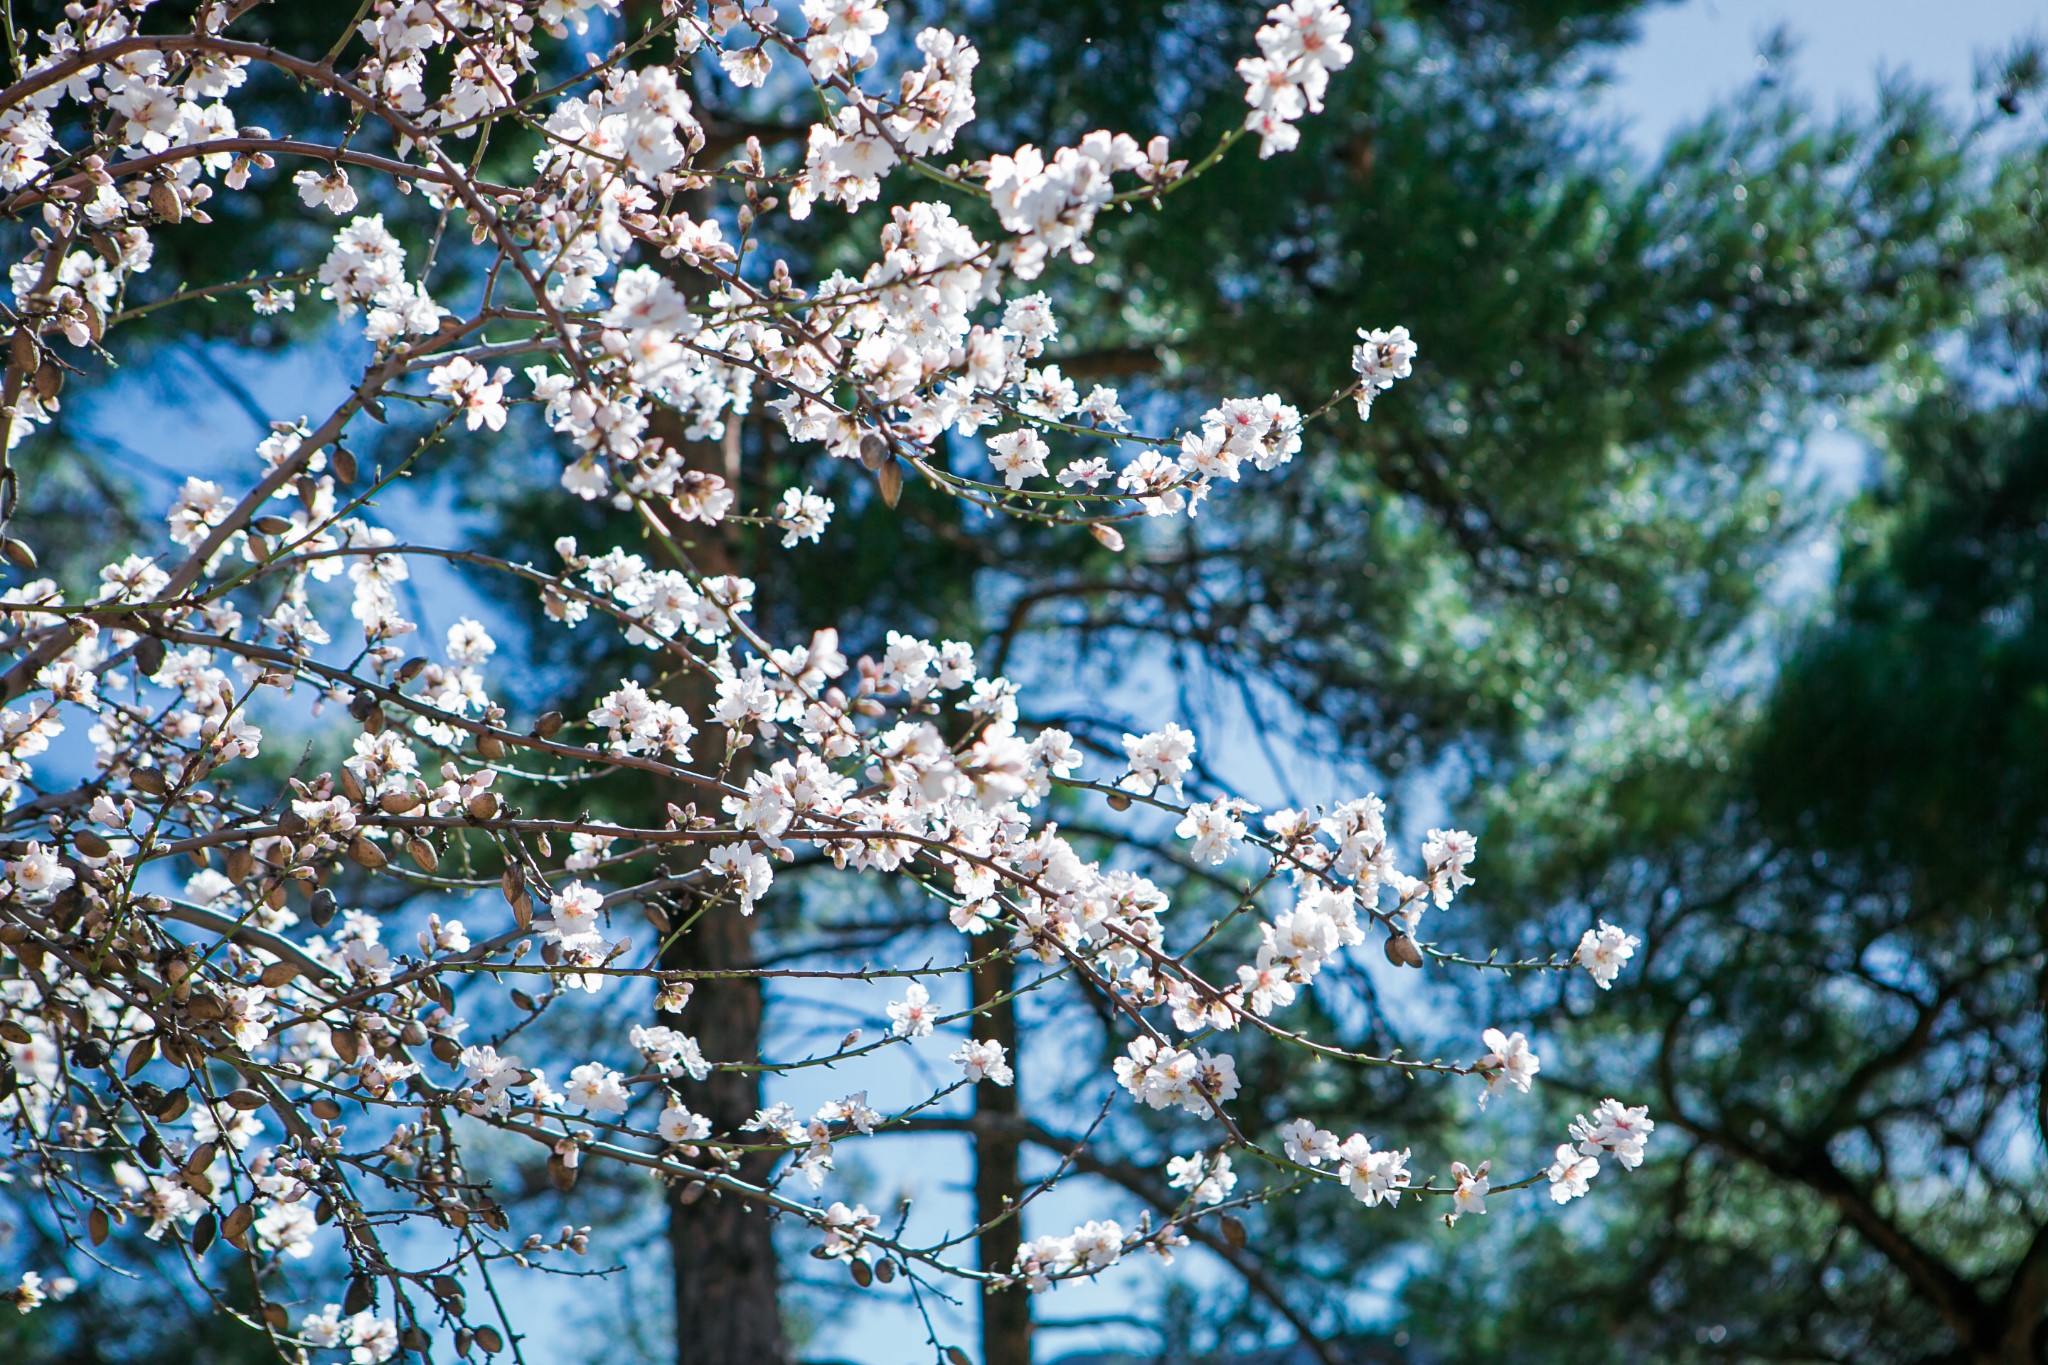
(1838, 1022)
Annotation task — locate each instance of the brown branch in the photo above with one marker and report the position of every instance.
(1138, 1182)
(142, 165)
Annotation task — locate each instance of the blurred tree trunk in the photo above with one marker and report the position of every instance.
(998, 1180)
(727, 1280)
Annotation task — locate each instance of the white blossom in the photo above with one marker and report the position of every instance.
(983, 1061)
(1380, 358)
(1472, 1187)
(1508, 1061)
(1570, 1173)
(1617, 1129)
(912, 1016)
(1208, 1179)
(1603, 951)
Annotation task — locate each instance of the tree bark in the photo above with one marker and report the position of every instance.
(998, 1179)
(727, 1280)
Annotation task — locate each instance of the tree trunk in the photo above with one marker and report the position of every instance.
(998, 1181)
(727, 1280)
(721, 1250)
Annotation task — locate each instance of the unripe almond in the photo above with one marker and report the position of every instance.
(149, 656)
(235, 1227)
(166, 202)
(18, 553)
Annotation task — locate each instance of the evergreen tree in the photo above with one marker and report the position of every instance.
(1842, 994)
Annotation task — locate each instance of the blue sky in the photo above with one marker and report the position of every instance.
(1691, 53)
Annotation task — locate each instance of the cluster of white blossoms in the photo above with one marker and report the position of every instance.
(366, 271)
(1095, 1246)
(1604, 950)
(1615, 1130)
(1380, 358)
(1300, 45)
(182, 1046)
(32, 1291)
